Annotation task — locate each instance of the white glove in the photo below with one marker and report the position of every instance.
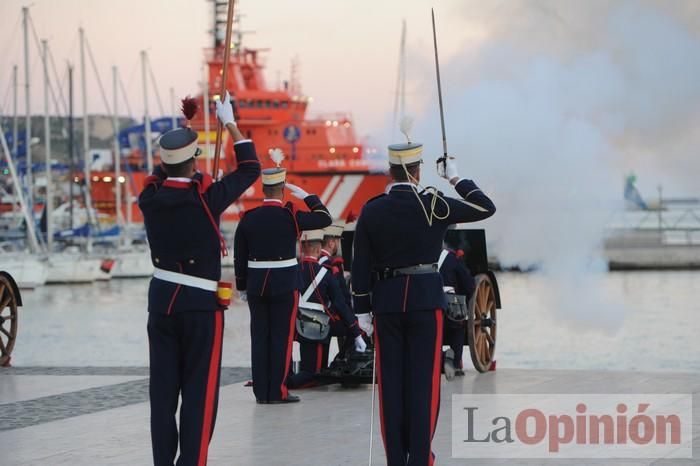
(243, 295)
(360, 345)
(219, 175)
(297, 191)
(450, 172)
(224, 110)
(365, 323)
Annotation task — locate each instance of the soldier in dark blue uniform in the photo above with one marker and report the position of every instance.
(181, 210)
(267, 275)
(458, 280)
(321, 291)
(330, 258)
(398, 239)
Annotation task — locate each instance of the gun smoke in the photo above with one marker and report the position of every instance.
(550, 110)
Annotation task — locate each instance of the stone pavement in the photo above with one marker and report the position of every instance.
(99, 416)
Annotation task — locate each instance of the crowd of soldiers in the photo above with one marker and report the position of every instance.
(395, 302)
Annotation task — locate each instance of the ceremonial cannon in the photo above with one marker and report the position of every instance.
(482, 307)
(479, 322)
(10, 300)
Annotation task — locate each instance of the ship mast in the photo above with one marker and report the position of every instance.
(117, 154)
(48, 204)
(28, 117)
(15, 129)
(400, 95)
(146, 116)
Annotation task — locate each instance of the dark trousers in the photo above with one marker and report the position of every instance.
(409, 353)
(314, 358)
(455, 337)
(185, 361)
(314, 355)
(272, 320)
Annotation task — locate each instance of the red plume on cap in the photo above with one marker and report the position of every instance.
(189, 108)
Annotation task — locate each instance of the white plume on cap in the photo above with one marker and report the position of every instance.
(405, 126)
(277, 155)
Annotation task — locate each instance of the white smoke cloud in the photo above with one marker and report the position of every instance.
(548, 113)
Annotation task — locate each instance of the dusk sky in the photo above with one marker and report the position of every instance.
(348, 51)
(628, 70)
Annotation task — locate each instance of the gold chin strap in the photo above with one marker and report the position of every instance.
(433, 202)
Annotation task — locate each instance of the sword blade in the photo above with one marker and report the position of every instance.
(439, 87)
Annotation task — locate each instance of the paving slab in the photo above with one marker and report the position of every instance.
(329, 427)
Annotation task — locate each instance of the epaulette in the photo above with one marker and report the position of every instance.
(375, 198)
(428, 192)
(152, 180)
(242, 214)
(203, 181)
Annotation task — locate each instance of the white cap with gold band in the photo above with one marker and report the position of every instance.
(335, 230)
(178, 145)
(312, 235)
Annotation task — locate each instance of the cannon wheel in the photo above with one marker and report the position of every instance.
(481, 324)
(8, 320)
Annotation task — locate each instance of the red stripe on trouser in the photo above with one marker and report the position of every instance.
(378, 371)
(290, 342)
(319, 356)
(435, 392)
(212, 380)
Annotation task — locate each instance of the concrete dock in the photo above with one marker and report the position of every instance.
(99, 416)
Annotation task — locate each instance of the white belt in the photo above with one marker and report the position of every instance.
(310, 305)
(187, 280)
(272, 264)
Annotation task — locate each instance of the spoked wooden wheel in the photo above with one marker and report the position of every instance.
(481, 324)
(8, 320)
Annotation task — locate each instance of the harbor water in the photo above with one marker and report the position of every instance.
(656, 326)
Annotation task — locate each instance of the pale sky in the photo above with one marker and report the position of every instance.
(626, 69)
(348, 51)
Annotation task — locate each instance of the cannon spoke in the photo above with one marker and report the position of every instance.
(5, 302)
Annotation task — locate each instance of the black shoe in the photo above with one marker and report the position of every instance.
(262, 402)
(459, 372)
(289, 399)
(449, 364)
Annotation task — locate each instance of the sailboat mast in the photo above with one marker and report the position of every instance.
(71, 142)
(146, 116)
(48, 205)
(117, 153)
(28, 218)
(172, 108)
(28, 117)
(15, 121)
(400, 95)
(86, 120)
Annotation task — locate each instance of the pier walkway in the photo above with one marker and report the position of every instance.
(99, 416)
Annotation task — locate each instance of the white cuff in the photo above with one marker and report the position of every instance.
(242, 141)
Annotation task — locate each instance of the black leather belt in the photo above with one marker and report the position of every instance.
(392, 272)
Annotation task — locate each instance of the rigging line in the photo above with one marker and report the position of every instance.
(132, 72)
(7, 96)
(124, 94)
(40, 52)
(97, 75)
(58, 81)
(155, 87)
(13, 37)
